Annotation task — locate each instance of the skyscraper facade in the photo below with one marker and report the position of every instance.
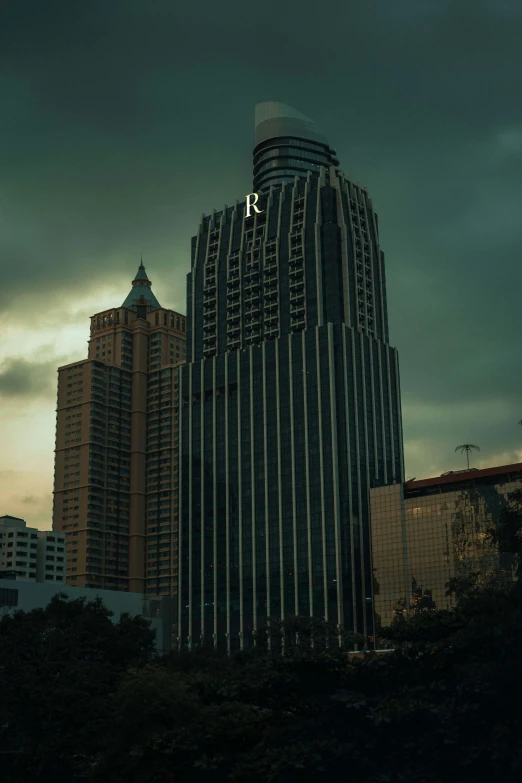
(116, 472)
(290, 398)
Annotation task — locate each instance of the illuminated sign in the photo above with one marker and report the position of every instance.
(252, 204)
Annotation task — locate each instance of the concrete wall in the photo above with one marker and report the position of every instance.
(34, 595)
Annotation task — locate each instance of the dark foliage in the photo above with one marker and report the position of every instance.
(84, 699)
(59, 668)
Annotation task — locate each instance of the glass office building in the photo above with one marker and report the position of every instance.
(290, 409)
(425, 533)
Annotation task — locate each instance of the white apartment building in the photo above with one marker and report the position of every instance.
(30, 553)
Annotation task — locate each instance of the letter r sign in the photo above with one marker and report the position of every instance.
(251, 201)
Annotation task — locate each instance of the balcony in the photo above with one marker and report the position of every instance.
(296, 284)
(295, 270)
(252, 297)
(298, 323)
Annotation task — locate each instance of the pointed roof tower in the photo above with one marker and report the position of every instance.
(141, 292)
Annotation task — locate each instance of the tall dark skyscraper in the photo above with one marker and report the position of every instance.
(290, 397)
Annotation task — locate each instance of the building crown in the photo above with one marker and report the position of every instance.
(141, 292)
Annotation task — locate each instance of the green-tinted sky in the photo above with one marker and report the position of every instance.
(121, 121)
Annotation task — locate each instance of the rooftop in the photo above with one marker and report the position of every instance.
(141, 290)
(464, 476)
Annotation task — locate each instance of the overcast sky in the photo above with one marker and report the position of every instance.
(121, 121)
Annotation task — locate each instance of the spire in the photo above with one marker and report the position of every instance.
(141, 275)
(141, 292)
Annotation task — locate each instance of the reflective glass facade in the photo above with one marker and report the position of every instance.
(290, 412)
(281, 159)
(287, 144)
(425, 533)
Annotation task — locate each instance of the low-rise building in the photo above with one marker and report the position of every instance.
(27, 594)
(425, 533)
(30, 553)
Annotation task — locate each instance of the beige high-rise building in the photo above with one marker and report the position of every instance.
(116, 471)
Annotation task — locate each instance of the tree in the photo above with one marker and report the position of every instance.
(438, 709)
(467, 447)
(506, 533)
(58, 667)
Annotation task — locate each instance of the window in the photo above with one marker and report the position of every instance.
(8, 597)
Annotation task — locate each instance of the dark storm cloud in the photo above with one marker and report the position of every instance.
(123, 121)
(27, 379)
(31, 500)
